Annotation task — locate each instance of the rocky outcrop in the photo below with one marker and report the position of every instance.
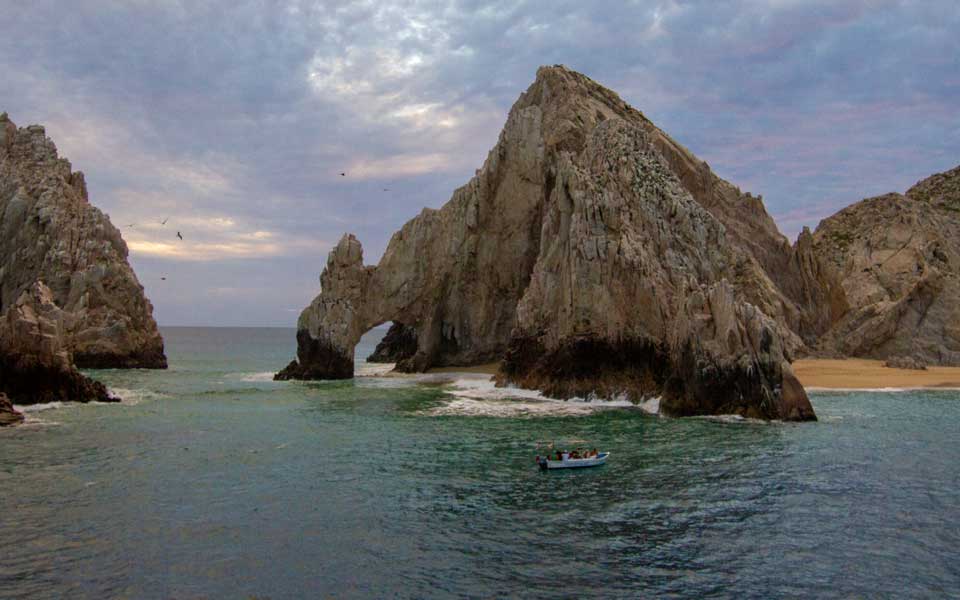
(398, 344)
(50, 232)
(591, 256)
(897, 260)
(8, 414)
(35, 362)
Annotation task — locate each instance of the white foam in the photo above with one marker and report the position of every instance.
(651, 406)
(32, 408)
(733, 419)
(132, 397)
(255, 377)
(477, 395)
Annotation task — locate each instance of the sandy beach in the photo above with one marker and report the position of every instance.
(871, 374)
(484, 369)
(854, 373)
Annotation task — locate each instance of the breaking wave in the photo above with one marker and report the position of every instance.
(479, 396)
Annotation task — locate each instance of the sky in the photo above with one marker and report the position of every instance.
(234, 119)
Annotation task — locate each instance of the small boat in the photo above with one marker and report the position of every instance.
(567, 462)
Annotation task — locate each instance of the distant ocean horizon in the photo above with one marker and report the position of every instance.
(212, 480)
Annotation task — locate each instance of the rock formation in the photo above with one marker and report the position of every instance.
(8, 414)
(35, 363)
(897, 258)
(595, 257)
(50, 232)
(400, 343)
(905, 362)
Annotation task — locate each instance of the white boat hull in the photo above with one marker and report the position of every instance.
(574, 463)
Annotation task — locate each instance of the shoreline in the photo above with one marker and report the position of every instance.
(870, 375)
(823, 375)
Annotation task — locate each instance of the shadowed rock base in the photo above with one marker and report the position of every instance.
(642, 369)
(138, 360)
(316, 360)
(399, 343)
(27, 381)
(8, 415)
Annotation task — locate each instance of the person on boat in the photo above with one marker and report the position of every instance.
(594, 452)
(574, 454)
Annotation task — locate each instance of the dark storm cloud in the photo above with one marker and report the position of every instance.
(236, 118)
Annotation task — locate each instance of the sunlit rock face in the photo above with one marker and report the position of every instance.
(50, 233)
(593, 256)
(898, 260)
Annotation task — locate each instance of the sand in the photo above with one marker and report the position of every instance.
(487, 369)
(854, 373)
(858, 373)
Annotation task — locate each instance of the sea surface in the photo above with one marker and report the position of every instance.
(211, 480)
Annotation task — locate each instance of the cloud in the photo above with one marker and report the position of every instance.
(248, 112)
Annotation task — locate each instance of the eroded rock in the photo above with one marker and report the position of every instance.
(50, 232)
(36, 365)
(898, 260)
(591, 256)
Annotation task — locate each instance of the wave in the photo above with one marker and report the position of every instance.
(132, 397)
(732, 418)
(884, 390)
(253, 377)
(35, 408)
(479, 396)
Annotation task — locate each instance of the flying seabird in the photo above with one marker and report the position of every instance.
(164, 222)
(179, 236)
(343, 174)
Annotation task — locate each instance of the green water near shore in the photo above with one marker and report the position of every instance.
(211, 480)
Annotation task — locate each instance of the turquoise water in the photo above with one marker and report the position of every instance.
(211, 481)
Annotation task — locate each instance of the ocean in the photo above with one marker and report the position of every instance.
(210, 480)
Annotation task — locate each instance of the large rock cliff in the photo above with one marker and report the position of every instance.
(50, 232)
(897, 260)
(594, 256)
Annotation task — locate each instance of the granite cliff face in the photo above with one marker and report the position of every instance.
(594, 256)
(50, 233)
(897, 258)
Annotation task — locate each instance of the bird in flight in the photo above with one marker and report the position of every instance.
(343, 174)
(386, 189)
(131, 224)
(179, 236)
(163, 279)
(164, 222)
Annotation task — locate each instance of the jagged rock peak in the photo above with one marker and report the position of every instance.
(50, 232)
(590, 254)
